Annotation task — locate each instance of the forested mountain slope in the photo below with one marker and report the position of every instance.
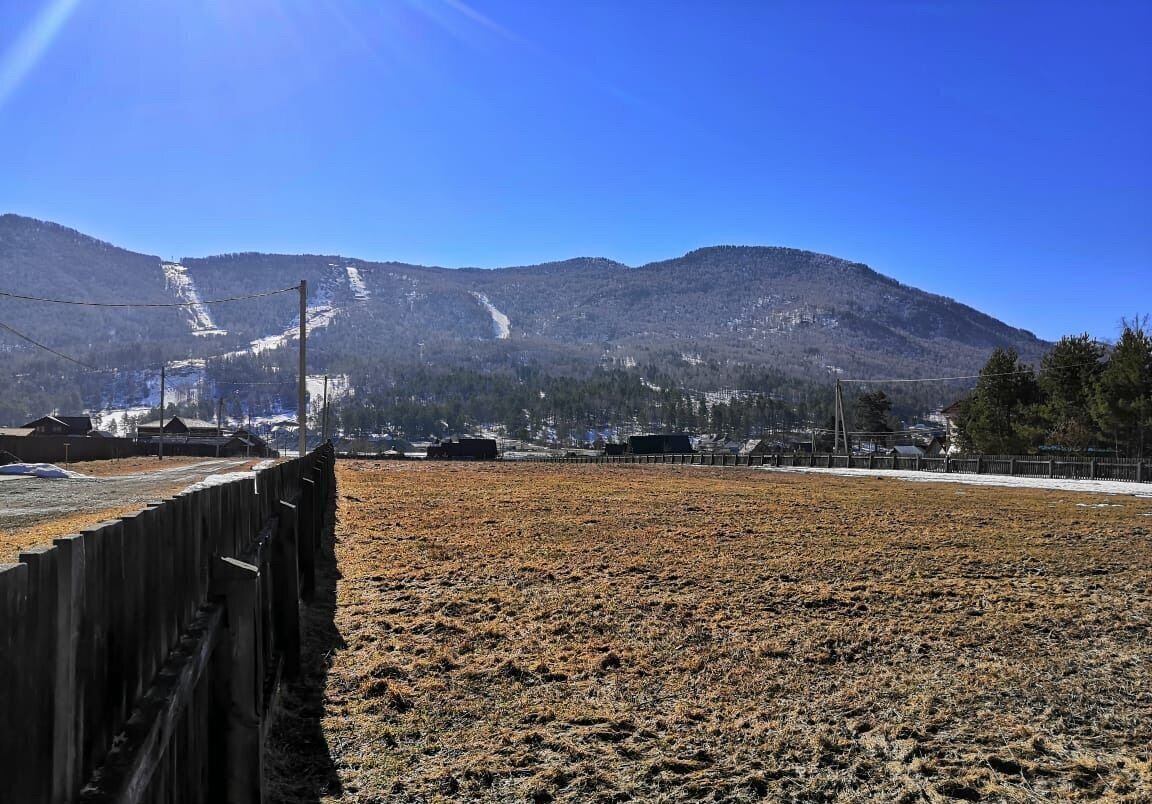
(708, 319)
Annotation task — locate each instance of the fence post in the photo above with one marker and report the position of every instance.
(979, 464)
(15, 684)
(38, 664)
(1140, 470)
(69, 715)
(307, 538)
(237, 583)
(286, 589)
(947, 464)
(1092, 469)
(1051, 468)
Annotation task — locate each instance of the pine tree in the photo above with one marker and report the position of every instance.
(1068, 377)
(1122, 404)
(996, 417)
(871, 415)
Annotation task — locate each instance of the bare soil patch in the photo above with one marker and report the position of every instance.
(597, 633)
(35, 511)
(139, 464)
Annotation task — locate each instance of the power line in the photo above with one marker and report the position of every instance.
(970, 376)
(150, 304)
(46, 348)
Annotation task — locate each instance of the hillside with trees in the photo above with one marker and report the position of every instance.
(721, 338)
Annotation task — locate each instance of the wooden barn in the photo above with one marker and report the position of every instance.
(464, 448)
(660, 444)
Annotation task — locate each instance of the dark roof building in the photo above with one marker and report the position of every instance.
(61, 425)
(178, 425)
(659, 444)
(464, 449)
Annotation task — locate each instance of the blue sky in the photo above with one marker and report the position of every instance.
(996, 152)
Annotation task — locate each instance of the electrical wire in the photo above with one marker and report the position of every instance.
(21, 335)
(968, 376)
(149, 304)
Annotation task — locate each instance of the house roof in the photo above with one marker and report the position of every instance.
(191, 424)
(17, 431)
(952, 409)
(78, 423)
(907, 450)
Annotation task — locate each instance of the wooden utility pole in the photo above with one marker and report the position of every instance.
(219, 425)
(302, 387)
(841, 422)
(160, 442)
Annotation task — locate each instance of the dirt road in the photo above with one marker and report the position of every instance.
(27, 501)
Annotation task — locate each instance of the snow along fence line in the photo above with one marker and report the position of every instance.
(1114, 469)
(140, 660)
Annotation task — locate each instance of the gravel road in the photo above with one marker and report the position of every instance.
(25, 501)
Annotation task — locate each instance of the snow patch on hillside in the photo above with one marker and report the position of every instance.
(339, 387)
(199, 318)
(356, 282)
(317, 315)
(500, 322)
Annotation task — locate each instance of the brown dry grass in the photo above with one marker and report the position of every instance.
(41, 532)
(588, 633)
(139, 464)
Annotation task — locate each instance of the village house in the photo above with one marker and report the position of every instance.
(187, 436)
(60, 425)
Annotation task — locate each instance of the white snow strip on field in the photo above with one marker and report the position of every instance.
(1087, 486)
(500, 321)
(221, 479)
(228, 477)
(45, 470)
(199, 318)
(356, 282)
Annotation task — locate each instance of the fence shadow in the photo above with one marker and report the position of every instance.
(299, 768)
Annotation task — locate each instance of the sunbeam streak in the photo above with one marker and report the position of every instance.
(26, 51)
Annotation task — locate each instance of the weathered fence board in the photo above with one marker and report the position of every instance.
(125, 652)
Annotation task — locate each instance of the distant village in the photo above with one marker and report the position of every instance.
(58, 438)
(63, 439)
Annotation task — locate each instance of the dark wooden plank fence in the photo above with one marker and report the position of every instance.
(1127, 469)
(140, 659)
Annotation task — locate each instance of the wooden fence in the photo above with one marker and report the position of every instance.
(140, 658)
(65, 449)
(1128, 469)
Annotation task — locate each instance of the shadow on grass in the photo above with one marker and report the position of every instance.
(298, 765)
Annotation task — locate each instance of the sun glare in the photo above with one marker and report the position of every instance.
(20, 59)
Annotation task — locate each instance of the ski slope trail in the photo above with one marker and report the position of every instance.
(199, 318)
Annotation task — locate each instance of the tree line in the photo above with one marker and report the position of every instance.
(1087, 398)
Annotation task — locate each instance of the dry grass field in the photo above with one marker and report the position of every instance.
(605, 634)
(96, 503)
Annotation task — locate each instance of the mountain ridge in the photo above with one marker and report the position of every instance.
(706, 319)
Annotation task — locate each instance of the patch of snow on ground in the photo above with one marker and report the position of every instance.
(500, 322)
(199, 317)
(44, 470)
(1090, 486)
(356, 282)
